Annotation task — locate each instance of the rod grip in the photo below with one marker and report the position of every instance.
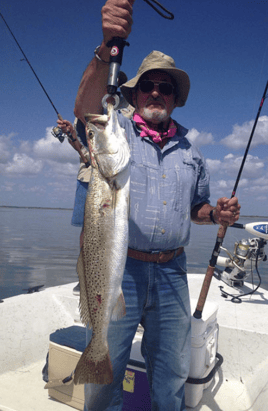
(209, 273)
(204, 292)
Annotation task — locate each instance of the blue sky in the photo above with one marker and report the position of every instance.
(222, 45)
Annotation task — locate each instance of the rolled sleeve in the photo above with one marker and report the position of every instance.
(202, 191)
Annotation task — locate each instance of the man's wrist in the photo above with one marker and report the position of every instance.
(98, 57)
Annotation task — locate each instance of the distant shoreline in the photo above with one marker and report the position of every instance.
(38, 208)
(70, 209)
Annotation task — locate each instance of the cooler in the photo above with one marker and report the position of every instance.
(136, 387)
(203, 363)
(66, 346)
(203, 353)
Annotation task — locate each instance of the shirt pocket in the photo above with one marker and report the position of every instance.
(143, 178)
(186, 178)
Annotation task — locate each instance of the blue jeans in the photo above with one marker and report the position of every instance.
(157, 297)
(79, 204)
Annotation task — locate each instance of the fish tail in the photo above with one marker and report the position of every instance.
(93, 372)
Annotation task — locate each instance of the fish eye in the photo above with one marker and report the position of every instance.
(90, 133)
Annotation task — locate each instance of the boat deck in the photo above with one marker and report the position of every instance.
(23, 390)
(239, 385)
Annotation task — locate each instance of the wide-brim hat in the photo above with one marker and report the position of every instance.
(157, 60)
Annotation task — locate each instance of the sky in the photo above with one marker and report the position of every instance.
(222, 45)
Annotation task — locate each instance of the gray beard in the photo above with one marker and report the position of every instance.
(155, 115)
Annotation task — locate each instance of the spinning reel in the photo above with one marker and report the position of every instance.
(59, 134)
(246, 255)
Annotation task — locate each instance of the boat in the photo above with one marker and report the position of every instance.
(229, 369)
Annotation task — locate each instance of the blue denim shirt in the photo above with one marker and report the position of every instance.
(164, 186)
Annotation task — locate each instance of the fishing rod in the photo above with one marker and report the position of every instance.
(57, 132)
(117, 45)
(223, 228)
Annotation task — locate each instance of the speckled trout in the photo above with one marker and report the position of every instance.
(103, 255)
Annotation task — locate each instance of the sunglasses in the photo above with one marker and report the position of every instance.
(146, 86)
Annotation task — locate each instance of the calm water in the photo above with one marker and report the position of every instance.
(39, 246)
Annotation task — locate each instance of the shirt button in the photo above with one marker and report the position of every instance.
(164, 202)
(163, 231)
(164, 176)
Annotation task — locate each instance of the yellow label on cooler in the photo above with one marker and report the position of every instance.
(129, 381)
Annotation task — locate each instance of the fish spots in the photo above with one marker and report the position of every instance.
(105, 206)
(98, 298)
(104, 250)
(99, 301)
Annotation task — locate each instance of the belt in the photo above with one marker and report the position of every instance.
(161, 257)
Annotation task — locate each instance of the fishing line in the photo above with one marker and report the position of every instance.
(57, 132)
(261, 71)
(236, 298)
(151, 3)
(117, 45)
(27, 61)
(250, 139)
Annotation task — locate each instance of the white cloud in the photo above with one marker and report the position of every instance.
(230, 166)
(46, 154)
(25, 147)
(60, 169)
(252, 167)
(22, 164)
(6, 147)
(55, 165)
(61, 186)
(261, 198)
(32, 189)
(223, 184)
(7, 186)
(240, 135)
(213, 165)
(199, 139)
(50, 148)
(244, 182)
(221, 188)
(258, 186)
(229, 184)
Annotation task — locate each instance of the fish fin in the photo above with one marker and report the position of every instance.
(90, 372)
(83, 305)
(119, 310)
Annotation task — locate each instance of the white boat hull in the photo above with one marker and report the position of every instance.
(26, 321)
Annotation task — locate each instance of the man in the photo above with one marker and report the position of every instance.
(169, 187)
